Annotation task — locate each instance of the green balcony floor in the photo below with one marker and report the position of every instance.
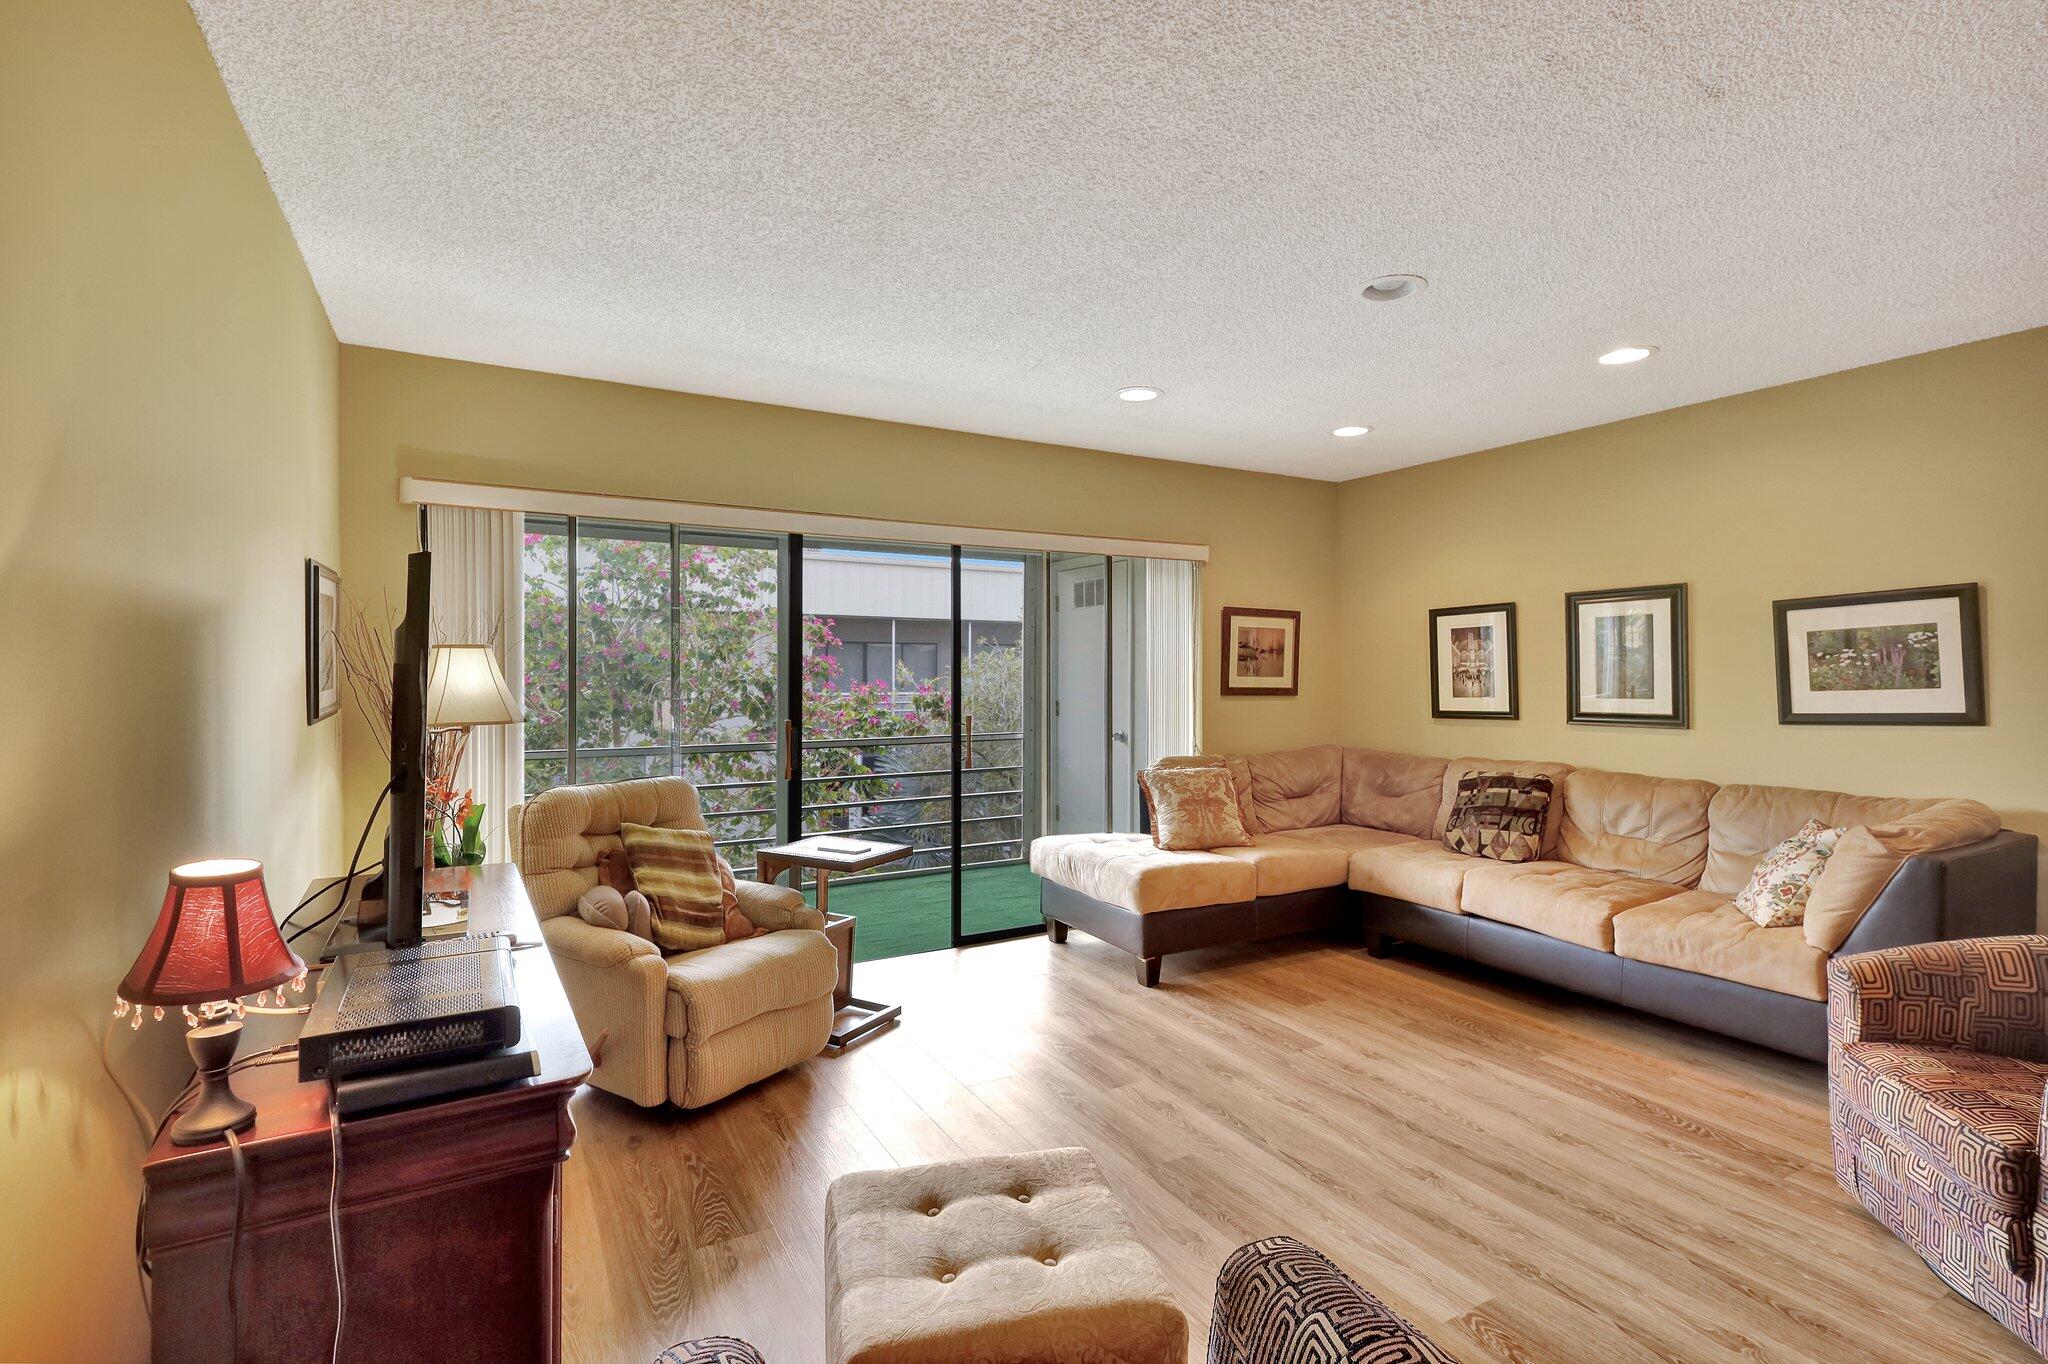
(914, 913)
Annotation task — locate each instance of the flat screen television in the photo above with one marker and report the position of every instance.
(403, 885)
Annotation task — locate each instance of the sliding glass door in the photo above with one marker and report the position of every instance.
(874, 729)
(916, 723)
(999, 747)
(958, 700)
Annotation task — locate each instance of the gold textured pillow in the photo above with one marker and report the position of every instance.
(1193, 808)
(677, 870)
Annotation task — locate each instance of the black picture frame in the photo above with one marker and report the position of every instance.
(1969, 618)
(1680, 714)
(1233, 685)
(323, 643)
(1506, 609)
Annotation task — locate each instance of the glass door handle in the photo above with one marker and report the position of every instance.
(788, 749)
(1119, 736)
(968, 722)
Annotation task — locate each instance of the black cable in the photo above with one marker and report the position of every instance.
(269, 1056)
(354, 863)
(334, 1226)
(235, 1246)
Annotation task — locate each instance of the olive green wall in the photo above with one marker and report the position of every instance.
(167, 462)
(1272, 538)
(1932, 469)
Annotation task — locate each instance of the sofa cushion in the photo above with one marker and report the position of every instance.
(1698, 930)
(1973, 1116)
(1128, 870)
(1287, 862)
(1640, 826)
(1776, 894)
(1745, 822)
(1350, 837)
(1296, 788)
(1572, 903)
(1398, 792)
(1500, 816)
(1866, 857)
(1416, 870)
(1458, 769)
(1193, 808)
(722, 987)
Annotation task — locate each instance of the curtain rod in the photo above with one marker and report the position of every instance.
(718, 516)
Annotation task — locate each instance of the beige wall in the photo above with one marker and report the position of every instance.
(168, 454)
(1272, 538)
(1927, 470)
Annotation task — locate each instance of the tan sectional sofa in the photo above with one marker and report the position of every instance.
(1632, 900)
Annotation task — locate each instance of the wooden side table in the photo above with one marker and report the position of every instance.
(854, 1018)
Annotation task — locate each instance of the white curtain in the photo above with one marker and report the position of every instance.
(1173, 658)
(479, 597)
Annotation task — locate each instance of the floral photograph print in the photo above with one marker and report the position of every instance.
(1910, 657)
(1261, 652)
(1625, 660)
(1472, 662)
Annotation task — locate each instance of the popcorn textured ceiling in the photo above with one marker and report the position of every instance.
(991, 216)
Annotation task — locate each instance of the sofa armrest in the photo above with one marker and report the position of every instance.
(593, 945)
(1986, 994)
(1280, 1299)
(770, 907)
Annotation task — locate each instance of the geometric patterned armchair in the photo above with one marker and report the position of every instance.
(1937, 1066)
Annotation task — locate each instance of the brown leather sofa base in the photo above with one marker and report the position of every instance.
(1984, 889)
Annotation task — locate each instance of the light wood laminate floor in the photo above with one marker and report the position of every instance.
(1527, 1175)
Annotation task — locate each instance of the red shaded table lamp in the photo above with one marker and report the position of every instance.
(214, 944)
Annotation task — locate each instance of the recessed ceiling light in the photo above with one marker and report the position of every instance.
(1137, 393)
(1348, 431)
(1389, 288)
(1628, 355)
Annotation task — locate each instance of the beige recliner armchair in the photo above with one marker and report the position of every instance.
(688, 1028)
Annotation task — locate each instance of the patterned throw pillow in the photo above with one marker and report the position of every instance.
(1776, 894)
(1193, 808)
(1499, 815)
(677, 870)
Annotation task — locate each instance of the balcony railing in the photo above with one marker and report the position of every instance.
(741, 811)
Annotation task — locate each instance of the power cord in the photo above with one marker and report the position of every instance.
(235, 1247)
(354, 863)
(334, 1226)
(270, 1056)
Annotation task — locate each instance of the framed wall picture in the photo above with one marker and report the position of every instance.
(1261, 652)
(1625, 657)
(1911, 657)
(1472, 663)
(323, 641)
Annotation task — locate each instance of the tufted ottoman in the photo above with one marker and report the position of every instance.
(997, 1260)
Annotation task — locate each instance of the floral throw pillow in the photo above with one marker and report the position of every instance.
(1193, 808)
(1499, 815)
(1778, 889)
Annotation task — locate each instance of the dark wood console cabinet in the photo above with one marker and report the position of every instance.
(451, 1211)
